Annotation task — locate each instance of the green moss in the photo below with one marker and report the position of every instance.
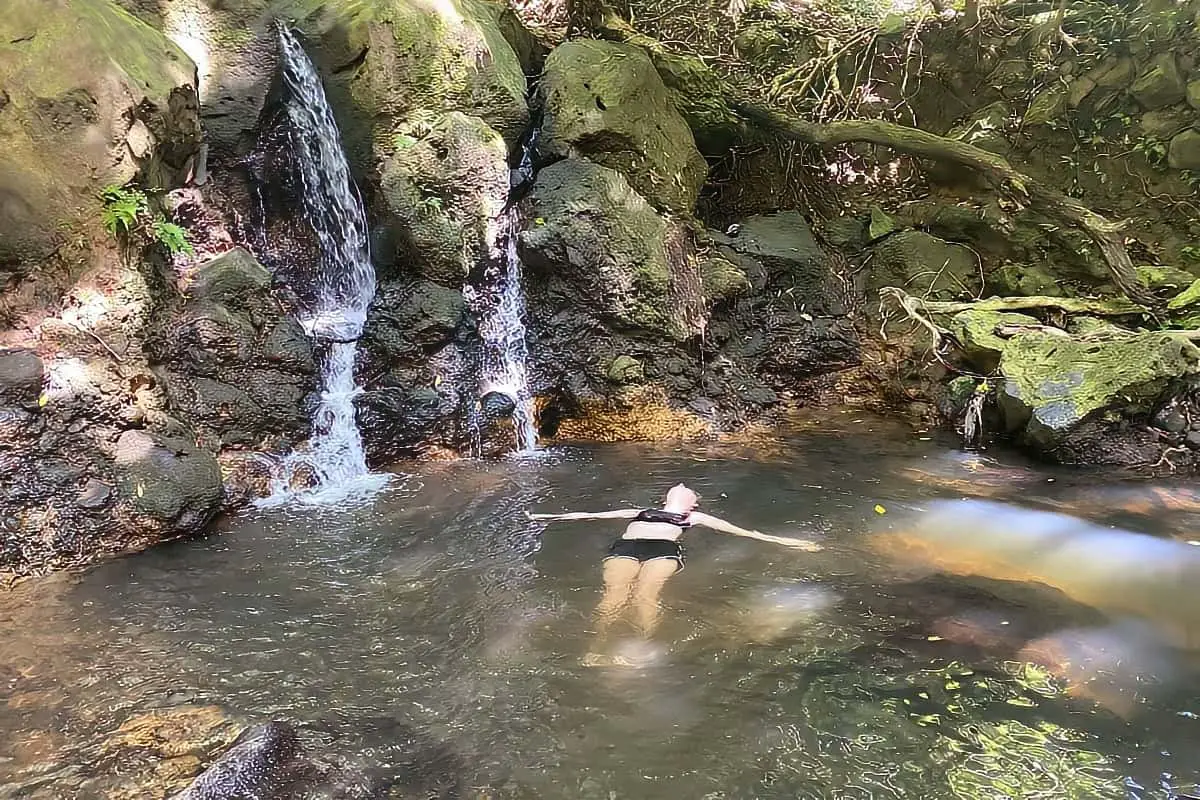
(59, 51)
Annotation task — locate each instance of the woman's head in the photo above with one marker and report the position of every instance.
(681, 499)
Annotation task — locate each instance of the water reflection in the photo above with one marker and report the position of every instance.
(860, 671)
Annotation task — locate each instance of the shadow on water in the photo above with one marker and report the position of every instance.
(439, 614)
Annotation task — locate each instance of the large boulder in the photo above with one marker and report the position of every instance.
(599, 237)
(1184, 150)
(442, 193)
(414, 60)
(1053, 382)
(1160, 83)
(606, 102)
(925, 266)
(91, 96)
(236, 367)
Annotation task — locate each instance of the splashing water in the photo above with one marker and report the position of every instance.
(501, 303)
(335, 309)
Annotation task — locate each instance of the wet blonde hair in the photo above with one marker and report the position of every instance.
(681, 498)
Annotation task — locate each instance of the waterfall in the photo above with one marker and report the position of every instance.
(333, 305)
(502, 329)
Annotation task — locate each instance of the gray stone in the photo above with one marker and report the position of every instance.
(94, 495)
(1160, 84)
(1193, 94)
(232, 278)
(1184, 150)
(924, 265)
(1193, 438)
(785, 245)
(166, 484)
(21, 376)
(606, 102)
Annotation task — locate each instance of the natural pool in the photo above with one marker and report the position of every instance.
(439, 609)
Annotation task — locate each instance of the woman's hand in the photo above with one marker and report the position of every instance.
(795, 544)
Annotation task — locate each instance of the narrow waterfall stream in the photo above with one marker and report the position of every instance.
(500, 304)
(335, 307)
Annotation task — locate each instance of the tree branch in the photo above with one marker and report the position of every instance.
(1015, 185)
(1069, 305)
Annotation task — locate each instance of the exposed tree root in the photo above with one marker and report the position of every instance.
(922, 312)
(1069, 305)
(1010, 182)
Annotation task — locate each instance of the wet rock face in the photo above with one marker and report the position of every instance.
(80, 476)
(237, 367)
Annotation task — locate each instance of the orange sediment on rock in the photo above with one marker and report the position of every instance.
(642, 416)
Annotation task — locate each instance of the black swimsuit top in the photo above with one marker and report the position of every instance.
(658, 515)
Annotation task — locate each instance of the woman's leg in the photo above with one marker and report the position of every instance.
(650, 581)
(619, 577)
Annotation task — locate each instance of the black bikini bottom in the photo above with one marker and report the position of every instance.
(642, 550)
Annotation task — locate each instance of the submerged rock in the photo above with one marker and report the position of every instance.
(606, 102)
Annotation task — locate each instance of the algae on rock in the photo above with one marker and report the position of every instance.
(606, 102)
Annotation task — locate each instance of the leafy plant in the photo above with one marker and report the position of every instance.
(1191, 252)
(121, 210)
(1154, 151)
(172, 237)
(126, 211)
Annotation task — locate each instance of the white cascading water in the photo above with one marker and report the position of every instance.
(502, 329)
(344, 285)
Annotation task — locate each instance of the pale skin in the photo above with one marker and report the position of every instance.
(626, 579)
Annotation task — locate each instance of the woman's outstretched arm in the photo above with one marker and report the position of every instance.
(624, 513)
(718, 524)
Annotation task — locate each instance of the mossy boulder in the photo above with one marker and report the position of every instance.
(441, 191)
(1025, 280)
(1054, 382)
(976, 330)
(91, 96)
(606, 102)
(625, 369)
(419, 60)
(595, 233)
(165, 484)
(721, 279)
(925, 266)
(1160, 83)
(1184, 150)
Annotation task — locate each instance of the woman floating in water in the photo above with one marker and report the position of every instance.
(641, 562)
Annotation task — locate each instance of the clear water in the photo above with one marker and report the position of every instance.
(775, 673)
(334, 462)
